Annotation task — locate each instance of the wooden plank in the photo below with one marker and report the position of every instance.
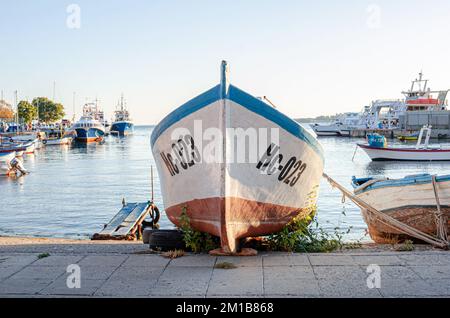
(132, 219)
(118, 219)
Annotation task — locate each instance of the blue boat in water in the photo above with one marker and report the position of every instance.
(122, 124)
(89, 128)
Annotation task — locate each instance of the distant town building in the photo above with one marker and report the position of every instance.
(6, 111)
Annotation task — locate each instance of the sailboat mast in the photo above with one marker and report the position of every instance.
(73, 106)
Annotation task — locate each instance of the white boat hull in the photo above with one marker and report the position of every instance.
(396, 154)
(57, 142)
(223, 195)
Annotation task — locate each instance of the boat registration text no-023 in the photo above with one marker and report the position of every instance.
(185, 154)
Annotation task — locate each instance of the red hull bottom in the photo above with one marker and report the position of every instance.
(232, 219)
(89, 140)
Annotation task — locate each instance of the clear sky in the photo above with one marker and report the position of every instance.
(309, 57)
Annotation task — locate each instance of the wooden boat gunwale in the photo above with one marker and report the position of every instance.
(387, 183)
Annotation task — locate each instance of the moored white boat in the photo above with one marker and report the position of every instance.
(422, 152)
(27, 148)
(230, 186)
(57, 141)
(410, 200)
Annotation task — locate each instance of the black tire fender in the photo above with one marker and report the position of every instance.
(166, 240)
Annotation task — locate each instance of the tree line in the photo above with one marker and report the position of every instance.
(42, 109)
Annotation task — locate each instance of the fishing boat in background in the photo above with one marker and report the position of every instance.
(414, 200)
(227, 194)
(378, 150)
(27, 148)
(57, 141)
(88, 128)
(421, 98)
(341, 126)
(122, 124)
(409, 137)
(25, 137)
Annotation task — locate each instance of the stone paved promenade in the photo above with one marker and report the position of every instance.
(119, 270)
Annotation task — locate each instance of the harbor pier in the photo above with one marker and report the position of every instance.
(362, 133)
(42, 268)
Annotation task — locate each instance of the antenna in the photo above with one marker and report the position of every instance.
(16, 107)
(73, 105)
(268, 100)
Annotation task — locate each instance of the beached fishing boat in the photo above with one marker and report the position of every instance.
(235, 165)
(411, 200)
(378, 150)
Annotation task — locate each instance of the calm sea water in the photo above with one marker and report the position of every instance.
(73, 191)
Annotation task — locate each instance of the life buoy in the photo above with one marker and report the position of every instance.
(154, 213)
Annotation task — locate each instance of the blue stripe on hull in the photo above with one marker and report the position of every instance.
(249, 102)
(122, 128)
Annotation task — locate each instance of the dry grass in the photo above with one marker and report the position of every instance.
(225, 265)
(173, 254)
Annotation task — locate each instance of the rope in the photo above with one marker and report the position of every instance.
(441, 220)
(368, 184)
(387, 220)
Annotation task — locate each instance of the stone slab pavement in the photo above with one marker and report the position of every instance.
(128, 271)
